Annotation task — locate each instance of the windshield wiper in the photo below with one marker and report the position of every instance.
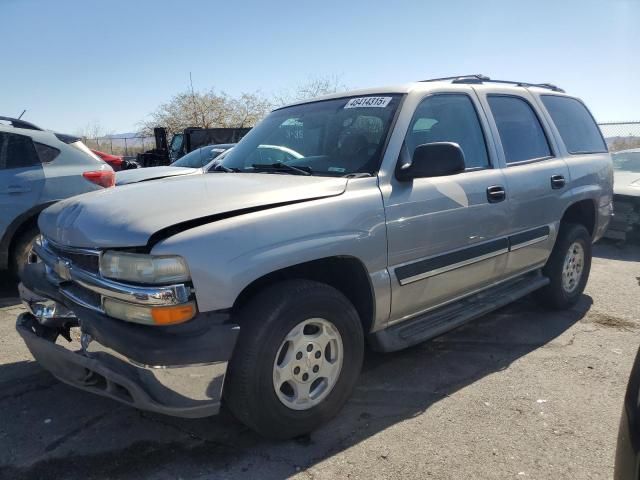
(357, 175)
(221, 168)
(282, 167)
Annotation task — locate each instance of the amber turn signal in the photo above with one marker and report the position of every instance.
(172, 315)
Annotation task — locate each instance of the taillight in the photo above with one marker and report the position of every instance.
(115, 163)
(104, 178)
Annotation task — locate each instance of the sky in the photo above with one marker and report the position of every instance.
(71, 63)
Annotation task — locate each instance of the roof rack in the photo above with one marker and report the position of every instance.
(17, 123)
(479, 79)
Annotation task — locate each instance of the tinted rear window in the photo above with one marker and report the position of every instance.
(520, 131)
(46, 153)
(575, 124)
(17, 151)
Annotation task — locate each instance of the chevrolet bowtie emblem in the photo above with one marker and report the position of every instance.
(62, 269)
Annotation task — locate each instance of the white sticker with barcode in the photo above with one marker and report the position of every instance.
(368, 102)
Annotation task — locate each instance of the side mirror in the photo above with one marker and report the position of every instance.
(436, 159)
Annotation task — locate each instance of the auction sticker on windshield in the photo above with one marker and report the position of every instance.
(360, 102)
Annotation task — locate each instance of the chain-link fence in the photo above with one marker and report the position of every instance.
(127, 146)
(621, 135)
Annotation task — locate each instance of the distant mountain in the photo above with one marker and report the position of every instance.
(122, 135)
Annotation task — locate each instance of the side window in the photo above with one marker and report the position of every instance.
(46, 153)
(17, 151)
(520, 131)
(575, 124)
(449, 118)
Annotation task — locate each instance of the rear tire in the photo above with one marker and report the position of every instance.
(282, 336)
(22, 250)
(568, 267)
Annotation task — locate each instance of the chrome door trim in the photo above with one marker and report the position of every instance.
(453, 266)
(529, 243)
(502, 245)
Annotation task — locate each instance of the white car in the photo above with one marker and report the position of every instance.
(203, 160)
(625, 224)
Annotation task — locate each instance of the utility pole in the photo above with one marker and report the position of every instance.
(193, 100)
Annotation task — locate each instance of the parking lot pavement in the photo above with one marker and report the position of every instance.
(521, 393)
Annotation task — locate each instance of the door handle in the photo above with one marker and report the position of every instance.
(557, 181)
(17, 189)
(496, 194)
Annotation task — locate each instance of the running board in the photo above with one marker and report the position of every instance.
(441, 320)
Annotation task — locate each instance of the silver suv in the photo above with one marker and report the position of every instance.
(406, 212)
(38, 168)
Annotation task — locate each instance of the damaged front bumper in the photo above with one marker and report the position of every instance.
(625, 224)
(177, 370)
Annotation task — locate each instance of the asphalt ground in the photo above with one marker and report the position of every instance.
(520, 393)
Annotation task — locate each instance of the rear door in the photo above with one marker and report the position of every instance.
(536, 175)
(446, 235)
(21, 177)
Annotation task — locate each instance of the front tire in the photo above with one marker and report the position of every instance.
(568, 267)
(297, 360)
(23, 251)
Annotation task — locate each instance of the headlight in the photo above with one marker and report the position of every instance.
(141, 268)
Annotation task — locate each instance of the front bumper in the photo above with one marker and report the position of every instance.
(625, 224)
(177, 370)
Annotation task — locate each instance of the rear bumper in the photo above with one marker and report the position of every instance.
(176, 370)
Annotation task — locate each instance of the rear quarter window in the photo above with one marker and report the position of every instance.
(46, 153)
(575, 124)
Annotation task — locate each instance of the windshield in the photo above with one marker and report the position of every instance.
(200, 157)
(176, 143)
(628, 161)
(209, 167)
(327, 138)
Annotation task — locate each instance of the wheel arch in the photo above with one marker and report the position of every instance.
(346, 274)
(19, 225)
(582, 212)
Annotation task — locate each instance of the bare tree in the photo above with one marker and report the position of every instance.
(94, 135)
(92, 129)
(311, 88)
(208, 109)
(211, 109)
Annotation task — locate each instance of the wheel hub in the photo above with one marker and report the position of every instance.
(308, 364)
(573, 267)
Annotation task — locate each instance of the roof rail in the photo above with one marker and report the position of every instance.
(479, 79)
(17, 123)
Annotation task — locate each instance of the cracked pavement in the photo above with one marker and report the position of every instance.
(520, 393)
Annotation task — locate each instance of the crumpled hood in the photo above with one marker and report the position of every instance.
(127, 216)
(125, 177)
(622, 183)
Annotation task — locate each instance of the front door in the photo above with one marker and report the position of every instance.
(21, 177)
(446, 235)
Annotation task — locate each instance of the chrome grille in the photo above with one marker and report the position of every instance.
(86, 259)
(76, 273)
(82, 296)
